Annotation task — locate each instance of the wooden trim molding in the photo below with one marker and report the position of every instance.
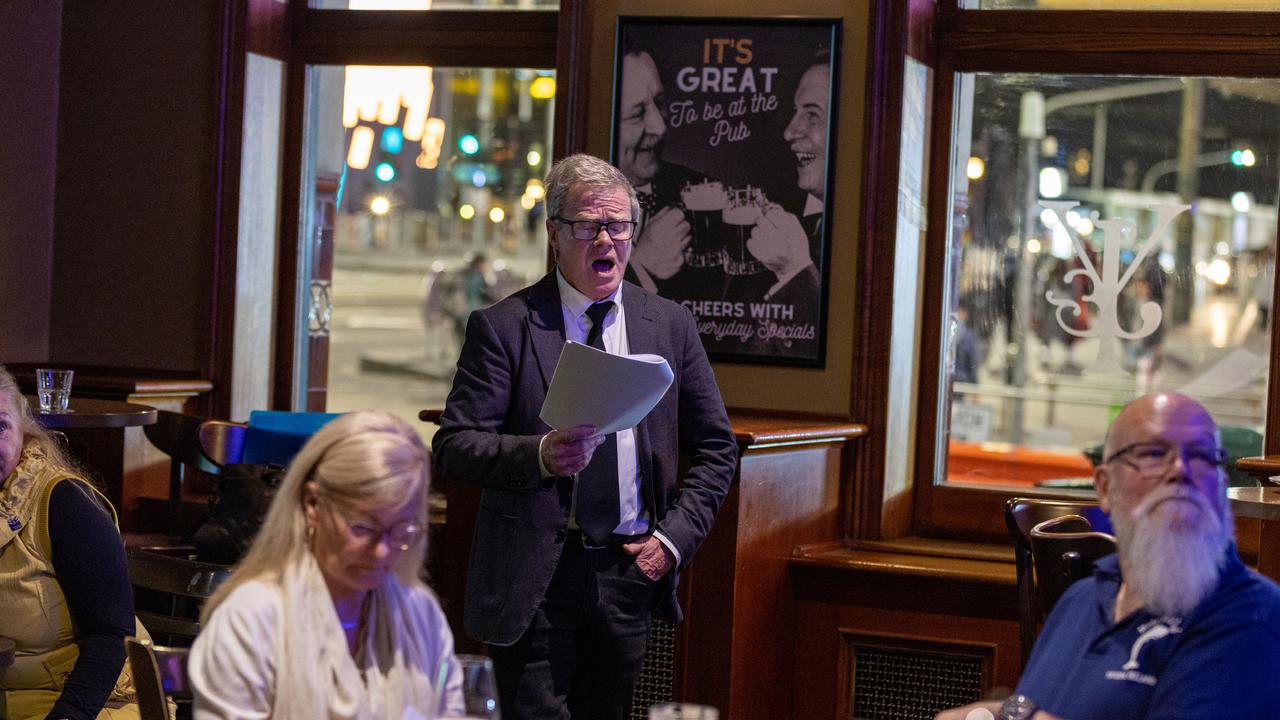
(573, 77)
(866, 513)
(446, 38)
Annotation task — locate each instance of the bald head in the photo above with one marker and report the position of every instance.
(1170, 419)
(1150, 417)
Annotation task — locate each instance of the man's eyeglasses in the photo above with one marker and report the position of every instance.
(1154, 458)
(399, 536)
(619, 230)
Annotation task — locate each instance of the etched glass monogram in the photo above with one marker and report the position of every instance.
(1107, 282)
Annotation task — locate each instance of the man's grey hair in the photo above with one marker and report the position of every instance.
(580, 172)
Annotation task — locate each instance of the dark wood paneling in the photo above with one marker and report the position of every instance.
(268, 31)
(573, 77)
(734, 648)
(735, 645)
(442, 38)
(874, 286)
(229, 84)
(918, 599)
(286, 325)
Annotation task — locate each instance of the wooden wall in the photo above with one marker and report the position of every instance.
(133, 203)
(29, 49)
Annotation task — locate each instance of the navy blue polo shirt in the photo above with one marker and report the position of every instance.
(1221, 661)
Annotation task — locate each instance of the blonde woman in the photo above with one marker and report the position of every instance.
(65, 599)
(326, 616)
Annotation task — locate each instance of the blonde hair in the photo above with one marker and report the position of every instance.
(34, 434)
(360, 460)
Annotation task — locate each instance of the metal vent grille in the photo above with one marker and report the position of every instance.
(658, 675)
(902, 684)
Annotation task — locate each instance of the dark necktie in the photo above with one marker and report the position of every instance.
(598, 481)
(648, 202)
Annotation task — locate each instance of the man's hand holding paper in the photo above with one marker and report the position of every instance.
(565, 452)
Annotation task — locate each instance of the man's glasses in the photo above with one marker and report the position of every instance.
(619, 230)
(1155, 458)
(399, 536)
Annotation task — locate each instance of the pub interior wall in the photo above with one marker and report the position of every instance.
(133, 208)
(29, 44)
(827, 390)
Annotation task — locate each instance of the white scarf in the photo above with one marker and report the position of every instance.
(316, 675)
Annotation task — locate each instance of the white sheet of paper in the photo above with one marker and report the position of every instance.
(612, 392)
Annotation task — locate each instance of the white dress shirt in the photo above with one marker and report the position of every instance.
(573, 308)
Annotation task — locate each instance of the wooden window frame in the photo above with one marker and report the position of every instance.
(952, 41)
(558, 39)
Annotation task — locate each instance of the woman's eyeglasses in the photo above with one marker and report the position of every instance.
(400, 536)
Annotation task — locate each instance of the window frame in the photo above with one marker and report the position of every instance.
(553, 39)
(952, 41)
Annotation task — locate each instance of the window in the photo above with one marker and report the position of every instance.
(1112, 236)
(1101, 222)
(414, 145)
(1148, 5)
(437, 212)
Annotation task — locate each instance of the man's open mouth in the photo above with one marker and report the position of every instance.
(804, 158)
(602, 265)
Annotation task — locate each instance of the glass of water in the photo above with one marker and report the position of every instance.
(479, 687)
(54, 389)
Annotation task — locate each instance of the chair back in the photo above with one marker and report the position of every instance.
(222, 442)
(276, 436)
(177, 435)
(1063, 550)
(169, 591)
(159, 673)
(1021, 515)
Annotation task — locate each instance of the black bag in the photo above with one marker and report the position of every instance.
(236, 512)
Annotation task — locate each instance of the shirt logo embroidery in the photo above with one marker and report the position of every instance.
(14, 523)
(1147, 632)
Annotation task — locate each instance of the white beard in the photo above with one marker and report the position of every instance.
(1173, 550)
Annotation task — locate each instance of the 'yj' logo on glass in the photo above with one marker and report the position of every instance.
(1107, 282)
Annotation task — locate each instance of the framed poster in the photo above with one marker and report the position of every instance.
(725, 127)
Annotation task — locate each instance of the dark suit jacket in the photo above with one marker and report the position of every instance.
(490, 431)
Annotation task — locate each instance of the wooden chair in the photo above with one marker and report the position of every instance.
(1021, 516)
(192, 444)
(1063, 550)
(169, 589)
(159, 674)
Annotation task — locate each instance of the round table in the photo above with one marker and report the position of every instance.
(95, 413)
(94, 429)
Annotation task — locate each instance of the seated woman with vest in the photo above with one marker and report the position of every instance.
(65, 598)
(327, 614)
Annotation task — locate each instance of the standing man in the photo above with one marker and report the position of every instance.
(1173, 624)
(663, 232)
(580, 536)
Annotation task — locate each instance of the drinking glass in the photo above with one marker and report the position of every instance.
(479, 688)
(682, 711)
(746, 205)
(54, 389)
(704, 204)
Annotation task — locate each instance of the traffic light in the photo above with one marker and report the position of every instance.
(1243, 157)
(385, 171)
(468, 144)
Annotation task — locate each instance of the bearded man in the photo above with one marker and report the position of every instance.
(1172, 625)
